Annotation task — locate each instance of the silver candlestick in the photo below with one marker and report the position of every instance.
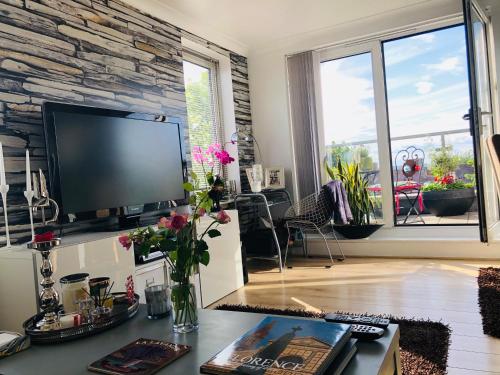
(49, 298)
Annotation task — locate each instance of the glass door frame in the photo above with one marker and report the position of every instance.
(373, 45)
(490, 223)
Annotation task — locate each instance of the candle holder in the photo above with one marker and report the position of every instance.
(30, 194)
(49, 298)
(4, 189)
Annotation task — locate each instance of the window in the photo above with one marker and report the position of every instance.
(349, 121)
(381, 98)
(205, 128)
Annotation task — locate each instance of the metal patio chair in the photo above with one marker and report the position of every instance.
(311, 214)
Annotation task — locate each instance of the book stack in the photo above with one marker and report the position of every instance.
(280, 345)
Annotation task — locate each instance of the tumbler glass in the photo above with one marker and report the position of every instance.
(158, 301)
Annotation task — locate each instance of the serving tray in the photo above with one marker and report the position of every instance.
(121, 313)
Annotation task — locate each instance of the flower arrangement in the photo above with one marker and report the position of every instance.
(443, 166)
(177, 238)
(445, 183)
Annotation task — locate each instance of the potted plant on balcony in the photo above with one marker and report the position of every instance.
(359, 199)
(447, 195)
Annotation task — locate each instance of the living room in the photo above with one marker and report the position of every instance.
(301, 177)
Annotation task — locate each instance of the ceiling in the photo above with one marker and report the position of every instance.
(257, 23)
(249, 25)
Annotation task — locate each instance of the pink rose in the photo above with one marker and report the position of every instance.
(174, 222)
(223, 217)
(202, 212)
(125, 241)
(178, 222)
(163, 222)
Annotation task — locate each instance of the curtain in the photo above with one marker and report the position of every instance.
(302, 102)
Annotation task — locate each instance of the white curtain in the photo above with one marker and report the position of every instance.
(302, 100)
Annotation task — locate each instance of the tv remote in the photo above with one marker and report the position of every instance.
(366, 333)
(357, 319)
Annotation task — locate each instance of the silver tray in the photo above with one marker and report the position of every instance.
(121, 313)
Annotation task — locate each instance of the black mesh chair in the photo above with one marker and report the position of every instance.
(311, 215)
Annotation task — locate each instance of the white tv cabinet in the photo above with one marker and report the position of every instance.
(100, 254)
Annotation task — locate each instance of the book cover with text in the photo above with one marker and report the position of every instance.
(141, 357)
(282, 346)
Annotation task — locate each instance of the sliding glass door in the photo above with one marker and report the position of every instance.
(396, 107)
(481, 113)
(432, 150)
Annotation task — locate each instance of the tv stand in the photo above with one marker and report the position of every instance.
(127, 222)
(131, 216)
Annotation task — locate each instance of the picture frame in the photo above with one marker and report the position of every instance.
(275, 178)
(249, 173)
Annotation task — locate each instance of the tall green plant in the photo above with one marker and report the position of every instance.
(356, 187)
(444, 162)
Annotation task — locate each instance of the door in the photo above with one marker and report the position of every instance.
(480, 114)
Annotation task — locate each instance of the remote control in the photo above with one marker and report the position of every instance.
(366, 333)
(357, 319)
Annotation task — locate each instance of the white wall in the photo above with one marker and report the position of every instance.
(268, 81)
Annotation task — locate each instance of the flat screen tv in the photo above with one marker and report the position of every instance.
(103, 159)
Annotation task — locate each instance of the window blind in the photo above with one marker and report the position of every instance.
(205, 128)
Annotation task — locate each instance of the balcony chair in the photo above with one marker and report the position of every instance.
(311, 215)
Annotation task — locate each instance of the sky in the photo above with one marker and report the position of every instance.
(427, 91)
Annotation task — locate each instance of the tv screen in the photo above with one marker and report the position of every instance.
(105, 161)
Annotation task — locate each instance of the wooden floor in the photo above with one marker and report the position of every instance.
(443, 290)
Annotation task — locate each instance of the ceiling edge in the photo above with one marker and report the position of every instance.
(158, 9)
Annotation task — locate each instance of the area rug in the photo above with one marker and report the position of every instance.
(423, 344)
(489, 300)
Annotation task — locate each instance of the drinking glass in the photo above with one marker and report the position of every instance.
(158, 301)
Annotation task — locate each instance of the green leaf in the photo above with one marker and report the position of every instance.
(192, 200)
(188, 186)
(212, 233)
(173, 256)
(205, 258)
(194, 176)
(168, 245)
(201, 246)
(210, 178)
(144, 248)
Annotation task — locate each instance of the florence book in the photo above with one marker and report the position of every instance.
(141, 357)
(279, 345)
(343, 358)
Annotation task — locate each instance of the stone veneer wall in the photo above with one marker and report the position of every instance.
(90, 52)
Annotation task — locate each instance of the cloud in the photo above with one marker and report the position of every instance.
(427, 38)
(348, 108)
(450, 64)
(424, 87)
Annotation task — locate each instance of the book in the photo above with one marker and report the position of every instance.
(280, 345)
(343, 358)
(141, 357)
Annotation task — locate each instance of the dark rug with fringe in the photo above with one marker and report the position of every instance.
(489, 300)
(423, 344)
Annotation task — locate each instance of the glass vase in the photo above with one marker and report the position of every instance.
(184, 311)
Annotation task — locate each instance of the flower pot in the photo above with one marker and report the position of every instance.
(449, 202)
(355, 232)
(184, 311)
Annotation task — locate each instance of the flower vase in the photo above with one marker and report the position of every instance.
(184, 311)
